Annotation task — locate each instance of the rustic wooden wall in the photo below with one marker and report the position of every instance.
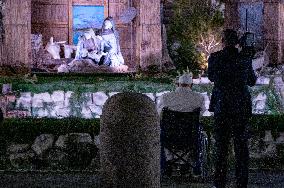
(50, 18)
(54, 18)
(140, 40)
(126, 32)
(17, 46)
(148, 33)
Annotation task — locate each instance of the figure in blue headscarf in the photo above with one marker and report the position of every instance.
(111, 38)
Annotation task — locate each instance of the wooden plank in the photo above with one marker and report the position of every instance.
(49, 13)
(151, 41)
(150, 12)
(70, 24)
(116, 7)
(89, 2)
(17, 23)
(50, 2)
(58, 33)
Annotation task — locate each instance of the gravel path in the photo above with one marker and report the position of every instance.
(259, 179)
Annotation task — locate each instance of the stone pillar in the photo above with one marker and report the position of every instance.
(148, 33)
(232, 15)
(281, 33)
(130, 142)
(273, 30)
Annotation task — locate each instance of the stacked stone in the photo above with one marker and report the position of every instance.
(259, 103)
(279, 88)
(89, 105)
(74, 150)
(267, 147)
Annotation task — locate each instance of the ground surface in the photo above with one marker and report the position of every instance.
(258, 179)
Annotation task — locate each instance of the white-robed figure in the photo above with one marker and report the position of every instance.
(183, 99)
(110, 36)
(90, 46)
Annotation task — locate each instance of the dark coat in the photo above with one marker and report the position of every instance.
(231, 73)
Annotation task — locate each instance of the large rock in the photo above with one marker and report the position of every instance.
(260, 97)
(18, 148)
(96, 110)
(87, 98)
(278, 81)
(260, 105)
(40, 112)
(268, 138)
(130, 142)
(22, 160)
(263, 80)
(68, 95)
(40, 98)
(42, 143)
(60, 111)
(99, 98)
(61, 142)
(80, 149)
(56, 159)
(25, 100)
(86, 112)
(58, 97)
(80, 137)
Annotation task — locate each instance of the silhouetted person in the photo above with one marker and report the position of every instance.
(231, 73)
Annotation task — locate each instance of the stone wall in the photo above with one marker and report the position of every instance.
(71, 151)
(79, 151)
(61, 104)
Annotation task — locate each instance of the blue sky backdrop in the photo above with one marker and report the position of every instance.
(86, 16)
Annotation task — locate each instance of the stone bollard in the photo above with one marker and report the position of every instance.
(1, 116)
(130, 142)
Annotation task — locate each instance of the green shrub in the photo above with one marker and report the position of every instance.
(192, 20)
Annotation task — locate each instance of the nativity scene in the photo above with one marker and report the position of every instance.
(70, 36)
(94, 50)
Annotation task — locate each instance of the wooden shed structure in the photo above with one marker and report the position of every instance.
(265, 18)
(140, 39)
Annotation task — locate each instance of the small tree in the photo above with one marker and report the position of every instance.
(194, 32)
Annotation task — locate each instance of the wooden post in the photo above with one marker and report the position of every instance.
(16, 49)
(232, 15)
(148, 33)
(273, 37)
